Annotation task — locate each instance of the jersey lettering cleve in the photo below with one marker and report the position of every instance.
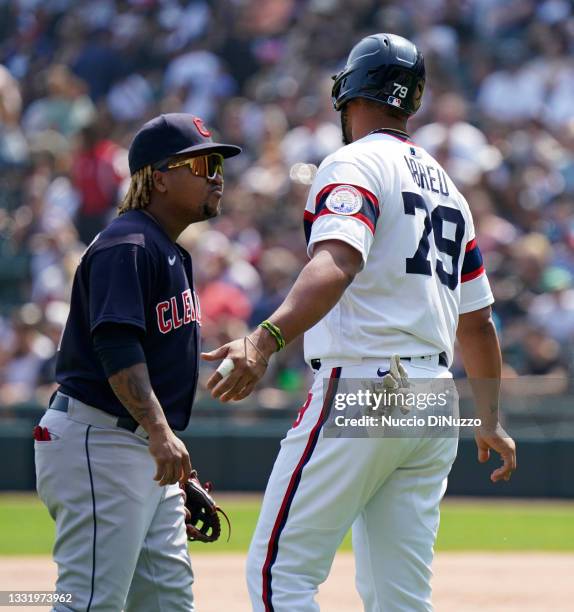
(422, 267)
(133, 274)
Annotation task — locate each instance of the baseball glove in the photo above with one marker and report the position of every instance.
(201, 512)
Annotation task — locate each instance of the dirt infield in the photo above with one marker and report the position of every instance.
(463, 582)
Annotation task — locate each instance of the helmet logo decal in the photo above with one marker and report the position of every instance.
(394, 101)
(201, 128)
(400, 90)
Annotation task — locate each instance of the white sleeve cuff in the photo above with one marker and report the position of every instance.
(475, 294)
(347, 229)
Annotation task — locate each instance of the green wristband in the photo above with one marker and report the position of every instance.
(275, 332)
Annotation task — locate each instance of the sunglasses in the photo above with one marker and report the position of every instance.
(206, 166)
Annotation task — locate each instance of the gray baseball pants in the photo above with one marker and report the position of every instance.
(120, 538)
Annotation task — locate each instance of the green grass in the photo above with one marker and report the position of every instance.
(506, 526)
(466, 525)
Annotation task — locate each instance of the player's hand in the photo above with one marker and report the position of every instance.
(171, 456)
(249, 367)
(499, 441)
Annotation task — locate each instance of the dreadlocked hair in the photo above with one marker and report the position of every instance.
(139, 193)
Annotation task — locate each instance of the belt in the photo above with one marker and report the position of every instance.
(442, 360)
(62, 402)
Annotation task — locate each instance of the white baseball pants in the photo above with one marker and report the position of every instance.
(387, 489)
(120, 538)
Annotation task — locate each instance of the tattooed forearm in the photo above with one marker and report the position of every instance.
(133, 388)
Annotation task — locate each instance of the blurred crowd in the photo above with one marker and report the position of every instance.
(77, 78)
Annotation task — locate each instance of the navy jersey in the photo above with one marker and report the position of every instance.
(132, 273)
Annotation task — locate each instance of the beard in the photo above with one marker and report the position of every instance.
(211, 206)
(210, 211)
(345, 128)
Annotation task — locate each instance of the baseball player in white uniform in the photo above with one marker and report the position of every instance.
(394, 272)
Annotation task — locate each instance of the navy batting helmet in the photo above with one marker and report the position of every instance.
(385, 68)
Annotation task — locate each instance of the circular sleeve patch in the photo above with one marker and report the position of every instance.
(344, 200)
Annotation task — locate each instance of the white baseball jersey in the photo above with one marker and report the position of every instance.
(396, 205)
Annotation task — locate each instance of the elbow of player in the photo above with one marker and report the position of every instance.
(478, 338)
(349, 269)
(346, 275)
(349, 276)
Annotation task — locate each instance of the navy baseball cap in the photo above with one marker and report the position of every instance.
(172, 134)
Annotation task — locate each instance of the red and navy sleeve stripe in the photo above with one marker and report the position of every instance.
(472, 265)
(368, 214)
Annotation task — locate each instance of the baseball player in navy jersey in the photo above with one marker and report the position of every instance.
(395, 273)
(107, 459)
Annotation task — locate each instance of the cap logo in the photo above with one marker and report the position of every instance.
(201, 128)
